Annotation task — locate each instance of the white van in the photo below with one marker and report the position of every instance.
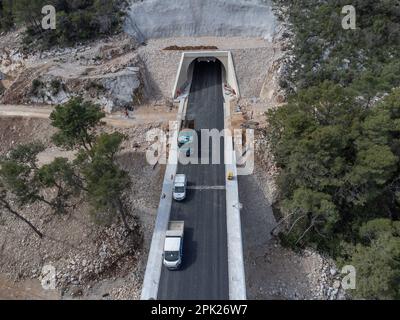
(173, 245)
(179, 192)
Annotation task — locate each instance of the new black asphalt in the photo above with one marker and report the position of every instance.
(204, 271)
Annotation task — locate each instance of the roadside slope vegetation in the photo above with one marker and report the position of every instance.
(77, 20)
(337, 140)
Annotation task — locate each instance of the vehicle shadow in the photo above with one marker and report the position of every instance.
(190, 193)
(189, 249)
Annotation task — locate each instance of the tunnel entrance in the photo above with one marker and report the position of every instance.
(204, 63)
(190, 59)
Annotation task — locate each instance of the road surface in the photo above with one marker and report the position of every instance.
(204, 271)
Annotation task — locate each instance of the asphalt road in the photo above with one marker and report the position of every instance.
(204, 271)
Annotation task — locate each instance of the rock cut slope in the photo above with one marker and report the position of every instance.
(174, 18)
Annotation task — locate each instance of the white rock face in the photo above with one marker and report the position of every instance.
(118, 89)
(174, 18)
(121, 87)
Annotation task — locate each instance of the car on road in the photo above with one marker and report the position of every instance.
(185, 137)
(186, 134)
(179, 191)
(173, 245)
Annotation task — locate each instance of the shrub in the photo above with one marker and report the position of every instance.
(36, 86)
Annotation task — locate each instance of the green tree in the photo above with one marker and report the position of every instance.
(377, 260)
(16, 180)
(29, 13)
(372, 170)
(99, 173)
(337, 140)
(311, 213)
(106, 182)
(21, 176)
(17, 173)
(6, 16)
(77, 20)
(60, 175)
(76, 120)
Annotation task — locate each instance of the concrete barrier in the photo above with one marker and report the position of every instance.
(154, 260)
(237, 280)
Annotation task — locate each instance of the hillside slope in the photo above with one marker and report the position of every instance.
(159, 19)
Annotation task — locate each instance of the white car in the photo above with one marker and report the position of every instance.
(179, 192)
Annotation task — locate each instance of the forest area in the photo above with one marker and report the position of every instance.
(337, 140)
(76, 21)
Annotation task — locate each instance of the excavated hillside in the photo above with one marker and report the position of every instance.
(193, 18)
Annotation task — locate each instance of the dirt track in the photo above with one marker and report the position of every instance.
(143, 115)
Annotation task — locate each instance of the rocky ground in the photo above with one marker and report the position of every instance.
(91, 260)
(287, 275)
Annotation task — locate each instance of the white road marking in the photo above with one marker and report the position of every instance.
(206, 187)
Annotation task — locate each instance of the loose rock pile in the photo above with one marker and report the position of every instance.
(326, 280)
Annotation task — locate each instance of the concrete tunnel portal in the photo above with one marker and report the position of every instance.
(188, 61)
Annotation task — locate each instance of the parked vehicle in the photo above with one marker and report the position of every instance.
(173, 245)
(179, 191)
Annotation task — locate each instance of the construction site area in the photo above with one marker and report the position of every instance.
(136, 77)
